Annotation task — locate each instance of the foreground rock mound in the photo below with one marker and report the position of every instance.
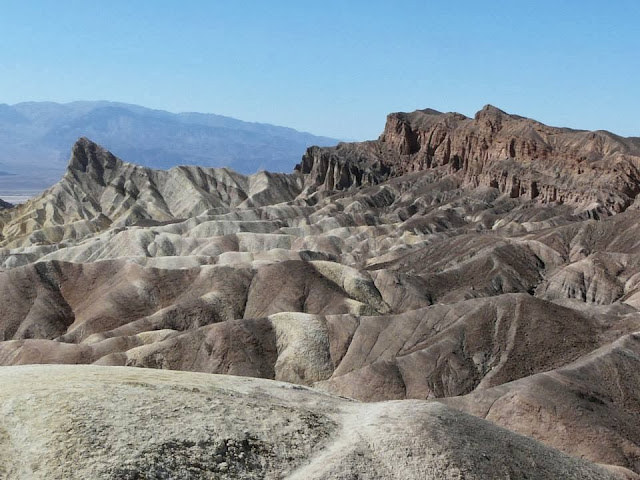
(81, 422)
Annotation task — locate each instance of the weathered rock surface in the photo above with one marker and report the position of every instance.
(83, 422)
(520, 157)
(589, 408)
(384, 270)
(100, 191)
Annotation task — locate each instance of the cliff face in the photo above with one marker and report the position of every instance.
(518, 156)
(339, 168)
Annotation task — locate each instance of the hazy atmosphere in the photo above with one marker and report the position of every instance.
(332, 68)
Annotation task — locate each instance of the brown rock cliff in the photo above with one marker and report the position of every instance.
(521, 157)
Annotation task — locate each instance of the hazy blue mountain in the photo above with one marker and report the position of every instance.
(36, 138)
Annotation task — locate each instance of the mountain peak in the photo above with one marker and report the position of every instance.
(86, 154)
(37, 137)
(491, 112)
(430, 111)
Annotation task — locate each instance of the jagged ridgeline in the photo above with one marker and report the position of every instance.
(516, 155)
(489, 263)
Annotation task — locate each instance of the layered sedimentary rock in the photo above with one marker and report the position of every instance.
(587, 408)
(518, 156)
(406, 268)
(100, 191)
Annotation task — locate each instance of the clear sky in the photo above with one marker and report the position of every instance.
(331, 67)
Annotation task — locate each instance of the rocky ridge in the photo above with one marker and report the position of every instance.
(520, 157)
(36, 137)
(99, 191)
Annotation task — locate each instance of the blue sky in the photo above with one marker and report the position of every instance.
(331, 67)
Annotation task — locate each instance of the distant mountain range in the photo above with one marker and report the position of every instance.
(35, 138)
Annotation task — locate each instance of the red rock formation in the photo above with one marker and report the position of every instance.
(519, 156)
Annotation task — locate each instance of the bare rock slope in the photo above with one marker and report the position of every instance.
(588, 408)
(88, 422)
(491, 263)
